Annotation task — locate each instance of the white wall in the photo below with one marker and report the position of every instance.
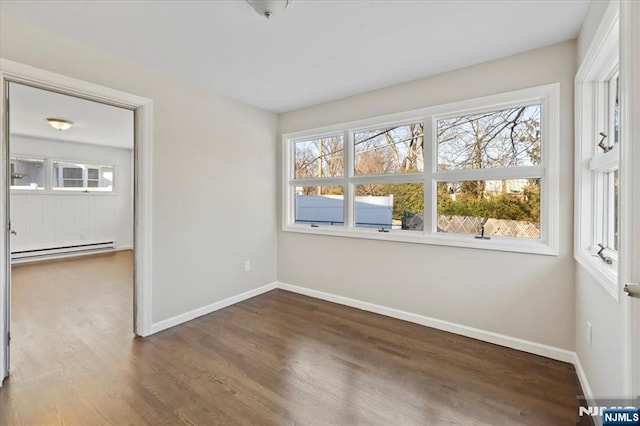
(54, 219)
(524, 296)
(603, 361)
(201, 233)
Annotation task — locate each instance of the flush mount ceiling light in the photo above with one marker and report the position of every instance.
(268, 8)
(59, 124)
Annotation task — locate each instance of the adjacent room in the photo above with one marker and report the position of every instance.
(320, 212)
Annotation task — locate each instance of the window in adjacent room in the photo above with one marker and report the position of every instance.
(75, 176)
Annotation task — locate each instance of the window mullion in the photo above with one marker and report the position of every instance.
(489, 174)
(430, 165)
(348, 188)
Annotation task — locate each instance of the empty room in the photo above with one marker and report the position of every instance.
(320, 212)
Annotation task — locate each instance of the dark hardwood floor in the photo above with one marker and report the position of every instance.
(279, 358)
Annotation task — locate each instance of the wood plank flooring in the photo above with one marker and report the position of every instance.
(279, 358)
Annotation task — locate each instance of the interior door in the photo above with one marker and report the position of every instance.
(5, 262)
(630, 183)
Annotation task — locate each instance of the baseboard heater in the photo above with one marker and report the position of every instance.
(63, 250)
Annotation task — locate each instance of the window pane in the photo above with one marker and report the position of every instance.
(390, 206)
(322, 157)
(505, 208)
(73, 183)
(71, 172)
(72, 176)
(319, 205)
(611, 210)
(397, 149)
(507, 138)
(616, 110)
(27, 174)
(92, 173)
(616, 209)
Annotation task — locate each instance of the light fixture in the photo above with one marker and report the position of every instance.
(268, 8)
(60, 124)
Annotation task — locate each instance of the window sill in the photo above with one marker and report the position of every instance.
(59, 192)
(416, 237)
(605, 275)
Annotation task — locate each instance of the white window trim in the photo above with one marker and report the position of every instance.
(600, 60)
(547, 95)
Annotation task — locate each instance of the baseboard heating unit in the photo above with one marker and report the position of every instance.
(78, 249)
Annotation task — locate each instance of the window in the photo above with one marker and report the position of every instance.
(74, 177)
(27, 174)
(500, 151)
(598, 158)
(480, 173)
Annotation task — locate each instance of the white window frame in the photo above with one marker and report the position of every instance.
(45, 167)
(547, 96)
(592, 116)
(85, 166)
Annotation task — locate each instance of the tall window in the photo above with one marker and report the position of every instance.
(598, 158)
(479, 173)
(500, 152)
(319, 193)
(389, 189)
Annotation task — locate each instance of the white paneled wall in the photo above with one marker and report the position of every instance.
(47, 219)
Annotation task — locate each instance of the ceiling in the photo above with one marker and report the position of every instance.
(316, 50)
(93, 123)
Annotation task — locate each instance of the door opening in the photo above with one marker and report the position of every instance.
(72, 176)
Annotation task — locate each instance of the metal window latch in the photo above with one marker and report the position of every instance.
(383, 230)
(313, 225)
(605, 259)
(481, 236)
(601, 144)
(632, 289)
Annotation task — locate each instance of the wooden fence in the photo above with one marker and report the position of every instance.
(497, 227)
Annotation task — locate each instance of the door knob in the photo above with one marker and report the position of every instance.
(13, 232)
(632, 289)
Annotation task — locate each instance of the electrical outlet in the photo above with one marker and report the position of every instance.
(247, 265)
(589, 333)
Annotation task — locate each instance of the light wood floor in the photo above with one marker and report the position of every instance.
(279, 358)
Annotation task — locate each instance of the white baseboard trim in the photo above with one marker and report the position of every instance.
(463, 330)
(586, 388)
(204, 310)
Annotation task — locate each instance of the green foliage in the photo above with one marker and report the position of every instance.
(407, 196)
(523, 206)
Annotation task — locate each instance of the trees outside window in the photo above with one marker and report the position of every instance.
(467, 168)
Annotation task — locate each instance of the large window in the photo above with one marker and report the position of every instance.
(597, 160)
(480, 173)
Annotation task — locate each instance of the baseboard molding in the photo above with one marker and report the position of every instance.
(586, 388)
(463, 330)
(204, 310)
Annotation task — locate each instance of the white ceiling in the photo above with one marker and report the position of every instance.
(316, 50)
(93, 123)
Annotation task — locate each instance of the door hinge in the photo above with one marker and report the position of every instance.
(8, 337)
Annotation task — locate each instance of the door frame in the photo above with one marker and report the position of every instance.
(630, 186)
(14, 72)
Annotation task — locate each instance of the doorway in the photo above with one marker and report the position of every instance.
(12, 73)
(71, 237)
